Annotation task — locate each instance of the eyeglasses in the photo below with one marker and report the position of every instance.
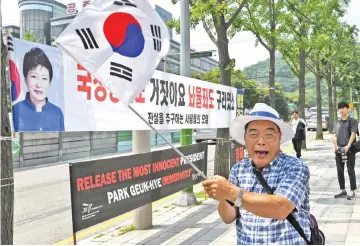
(266, 136)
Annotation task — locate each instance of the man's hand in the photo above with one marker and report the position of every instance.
(347, 147)
(219, 188)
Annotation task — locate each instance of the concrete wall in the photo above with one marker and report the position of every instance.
(46, 148)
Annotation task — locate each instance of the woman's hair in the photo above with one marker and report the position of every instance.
(34, 58)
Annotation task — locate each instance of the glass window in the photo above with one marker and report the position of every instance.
(35, 6)
(206, 65)
(196, 62)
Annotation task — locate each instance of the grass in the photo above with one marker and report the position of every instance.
(126, 229)
(202, 196)
(99, 236)
(157, 210)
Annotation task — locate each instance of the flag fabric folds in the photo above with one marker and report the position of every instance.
(119, 42)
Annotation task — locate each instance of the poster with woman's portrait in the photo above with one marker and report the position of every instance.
(37, 87)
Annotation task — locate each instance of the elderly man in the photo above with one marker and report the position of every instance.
(261, 217)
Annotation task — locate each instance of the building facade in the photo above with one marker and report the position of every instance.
(35, 16)
(47, 19)
(11, 30)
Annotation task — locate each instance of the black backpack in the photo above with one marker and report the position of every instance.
(355, 146)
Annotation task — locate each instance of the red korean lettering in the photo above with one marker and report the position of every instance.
(192, 96)
(205, 97)
(239, 154)
(84, 87)
(100, 91)
(71, 8)
(211, 98)
(86, 3)
(113, 98)
(198, 96)
(140, 98)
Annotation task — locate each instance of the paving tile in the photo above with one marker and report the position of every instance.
(334, 242)
(223, 243)
(342, 209)
(335, 237)
(201, 242)
(350, 239)
(213, 234)
(156, 241)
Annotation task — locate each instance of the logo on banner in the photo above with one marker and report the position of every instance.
(89, 211)
(124, 34)
(87, 207)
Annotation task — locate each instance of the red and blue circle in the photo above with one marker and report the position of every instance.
(15, 81)
(124, 34)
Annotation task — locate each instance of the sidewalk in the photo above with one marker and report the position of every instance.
(339, 219)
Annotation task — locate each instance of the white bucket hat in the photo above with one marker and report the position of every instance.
(261, 111)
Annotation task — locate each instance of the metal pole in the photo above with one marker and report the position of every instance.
(142, 215)
(187, 196)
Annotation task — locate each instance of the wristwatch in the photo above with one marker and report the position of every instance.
(238, 201)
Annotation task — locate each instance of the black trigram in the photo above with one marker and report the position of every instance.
(155, 30)
(87, 38)
(120, 71)
(124, 3)
(10, 45)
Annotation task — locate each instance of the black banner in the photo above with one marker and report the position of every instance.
(238, 152)
(106, 188)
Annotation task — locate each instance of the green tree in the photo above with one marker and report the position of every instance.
(327, 21)
(217, 18)
(341, 64)
(29, 36)
(262, 20)
(254, 93)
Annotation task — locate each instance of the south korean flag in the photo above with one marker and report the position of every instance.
(120, 42)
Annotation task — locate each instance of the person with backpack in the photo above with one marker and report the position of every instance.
(265, 192)
(345, 136)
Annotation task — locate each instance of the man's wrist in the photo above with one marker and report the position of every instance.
(234, 194)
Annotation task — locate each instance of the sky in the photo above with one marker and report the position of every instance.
(242, 46)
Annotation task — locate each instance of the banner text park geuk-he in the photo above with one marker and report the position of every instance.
(105, 188)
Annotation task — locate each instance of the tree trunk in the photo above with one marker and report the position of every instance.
(344, 93)
(301, 103)
(331, 108)
(272, 96)
(335, 106)
(272, 51)
(222, 150)
(319, 129)
(7, 181)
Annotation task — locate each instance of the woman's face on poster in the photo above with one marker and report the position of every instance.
(38, 82)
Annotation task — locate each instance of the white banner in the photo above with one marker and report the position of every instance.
(60, 95)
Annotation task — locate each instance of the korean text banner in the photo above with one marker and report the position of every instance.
(51, 92)
(106, 188)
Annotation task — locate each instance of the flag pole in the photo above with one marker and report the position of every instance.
(171, 145)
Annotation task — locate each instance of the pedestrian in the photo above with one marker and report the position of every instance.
(261, 217)
(298, 125)
(345, 135)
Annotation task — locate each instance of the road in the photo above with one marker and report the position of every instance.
(42, 202)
